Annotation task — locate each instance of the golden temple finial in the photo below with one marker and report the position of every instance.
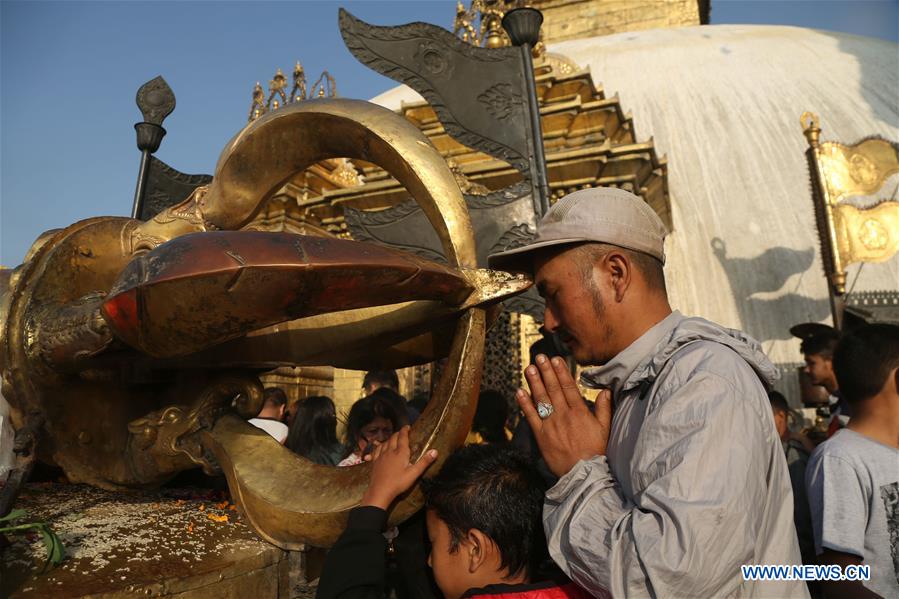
(811, 128)
(495, 37)
(489, 14)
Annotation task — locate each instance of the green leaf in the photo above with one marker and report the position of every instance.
(55, 551)
(13, 515)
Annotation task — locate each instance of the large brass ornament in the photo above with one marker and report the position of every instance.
(123, 344)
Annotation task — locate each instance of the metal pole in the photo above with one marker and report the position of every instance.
(837, 307)
(141, 183)
(156, 101)
(523, 27)
(541, 205)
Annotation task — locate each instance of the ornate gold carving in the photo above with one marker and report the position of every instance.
(467, 186)
(166, 441)
(345, 175)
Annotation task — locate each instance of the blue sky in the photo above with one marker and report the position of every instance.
(69, 72)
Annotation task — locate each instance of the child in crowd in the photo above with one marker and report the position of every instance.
(313, 431)
(372, 419)
(853, 477)
(483, 519)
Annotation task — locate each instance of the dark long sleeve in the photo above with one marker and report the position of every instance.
(356, 566)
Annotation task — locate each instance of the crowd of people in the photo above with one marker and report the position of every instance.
(683, 471)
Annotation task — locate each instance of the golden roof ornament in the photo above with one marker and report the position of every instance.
(298, 92)
(488, 14)
(496, 37)
(481, 24)
(257, 108)
(324, 87)
(277, 85)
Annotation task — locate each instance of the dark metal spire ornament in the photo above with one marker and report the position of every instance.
(156, 101)
(523, 27)
(485, 98)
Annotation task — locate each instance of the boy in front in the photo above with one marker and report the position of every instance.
(484, 522)
(853, 477)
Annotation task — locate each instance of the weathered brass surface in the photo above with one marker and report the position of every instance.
(127, 342)
(259, 279)
(850, 233)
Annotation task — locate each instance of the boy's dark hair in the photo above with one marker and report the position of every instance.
(778, 402)
(363, 412)
(864, 359)
(822, 344)
(498, 491)
(384, 378)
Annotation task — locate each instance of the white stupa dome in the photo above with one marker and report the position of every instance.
(723, 103)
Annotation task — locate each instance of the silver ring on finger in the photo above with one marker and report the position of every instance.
(544, 410)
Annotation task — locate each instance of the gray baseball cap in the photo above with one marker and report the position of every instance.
(602, 214)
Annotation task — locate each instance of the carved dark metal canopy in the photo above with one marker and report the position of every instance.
(481, 97)
(479, 94)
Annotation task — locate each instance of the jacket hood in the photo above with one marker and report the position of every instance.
(681, 332)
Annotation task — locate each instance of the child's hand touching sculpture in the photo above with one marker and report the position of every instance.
(392, 473)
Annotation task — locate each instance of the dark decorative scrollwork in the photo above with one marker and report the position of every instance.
(502, 219)
(515, 237)
(501, 103)
(166, 187)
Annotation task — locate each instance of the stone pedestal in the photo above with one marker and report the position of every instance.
(171, 543)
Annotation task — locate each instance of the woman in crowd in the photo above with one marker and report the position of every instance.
(371, 419)
(313, 431)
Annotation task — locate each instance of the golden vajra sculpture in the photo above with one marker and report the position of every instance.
(123, 344)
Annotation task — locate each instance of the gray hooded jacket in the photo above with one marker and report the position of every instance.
(694, 483)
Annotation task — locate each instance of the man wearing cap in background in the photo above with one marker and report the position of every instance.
(686, 482)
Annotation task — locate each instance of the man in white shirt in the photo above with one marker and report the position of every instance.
(271, 415)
